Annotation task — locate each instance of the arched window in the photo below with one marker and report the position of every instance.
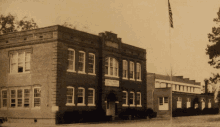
(111, 67)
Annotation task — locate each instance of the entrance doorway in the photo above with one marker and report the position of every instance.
(111, 107)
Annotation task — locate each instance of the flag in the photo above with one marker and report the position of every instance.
(170, 15)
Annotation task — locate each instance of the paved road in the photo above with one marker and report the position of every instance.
(190, 121)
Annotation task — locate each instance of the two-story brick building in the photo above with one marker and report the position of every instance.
(53, 69)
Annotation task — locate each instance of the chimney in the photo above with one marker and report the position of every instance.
(206, 85)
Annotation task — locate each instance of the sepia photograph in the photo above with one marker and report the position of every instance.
(107, 63)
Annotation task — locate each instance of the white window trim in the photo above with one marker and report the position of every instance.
(139, 105)
(17, 63)
(73, 97)
(130, 70)
(163, 104)
(124, 69)
(188, 102)
(93, 64)
(4, 108)
(179, 100)
(93, 104)
(126, 104)
(140, 71)
(132, 105)
(81, 104)
(84, 63)
(37, 97)
(114, 60)
(74, 62)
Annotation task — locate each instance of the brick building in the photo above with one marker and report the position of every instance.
(182, 92)
(55, 68)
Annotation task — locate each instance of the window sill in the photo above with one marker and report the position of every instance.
(91, 105)
(19, 73)
(111, 76)
(19, 108)
(124, 105)
(70, 104)
(139, 80)
(81, 104)
(80, 72)
(139, 105)
(125, 78)
(4, 108)
(92, 74)
(71, 71)
(132, 105)
(132, 79)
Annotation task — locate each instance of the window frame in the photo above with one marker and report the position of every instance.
(37, 107)
(209, 103)
(188, 103)
(93, 97)
(132, 105)
(83, 103)
(126, 98)
(130, 70)
(164, 105)
(179, 102)
(15, 98)
(125, 67)
(115, 61)
(138, 65)
(74, 60)
(84, 62)
(16, 54)
(7, 95)
(93, 64)
(139, 105)
(73, 97)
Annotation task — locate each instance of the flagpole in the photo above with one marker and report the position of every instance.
(171, 25)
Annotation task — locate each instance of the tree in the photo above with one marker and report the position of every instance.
(76, 26)
(213, 50)
(9, 23)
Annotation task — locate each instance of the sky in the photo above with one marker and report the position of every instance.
(142, 23)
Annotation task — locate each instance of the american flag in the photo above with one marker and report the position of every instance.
(170, 15)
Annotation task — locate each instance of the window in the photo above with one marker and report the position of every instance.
(37, 97)
(71, 60)
(81, 62)
(4, 98)
(70, 96)
(163, 85)
(177, 87)
(157, 84)
(188, 103)
(138, 99)
(188, 89)
(26, 98)
(173, 87)
(131, 70)
(125, 69)
(19, 98)
(203, 103)
(111, 67)
(209, 104)
(125, 98)
(91, 97)
(20, 62)
(138, 71)
(179, 102)
(163, 103)
(81, 96)
(91, 67)
(132, 97)
(13, 98)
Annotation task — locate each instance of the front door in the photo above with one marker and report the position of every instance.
(110, 108)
